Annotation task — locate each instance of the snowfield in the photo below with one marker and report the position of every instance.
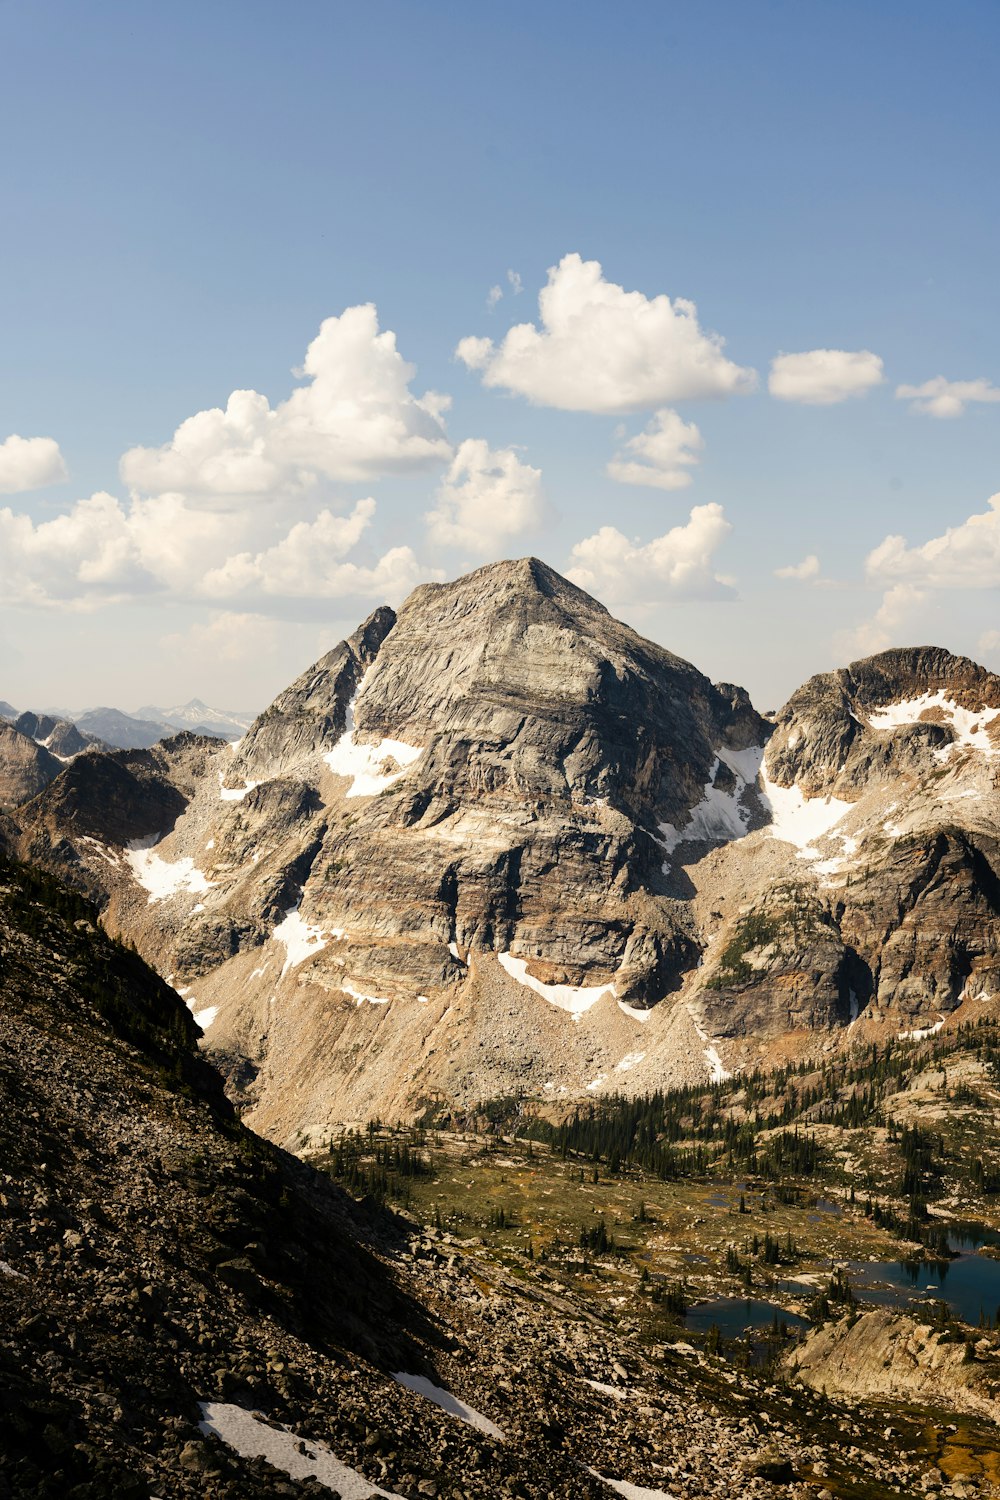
(720, 815)
(449, 1403)
(301, 941)
(366, 764)
(970, 727)
(800, 820)
(161, 877)
(574, 998)
(299, 1458)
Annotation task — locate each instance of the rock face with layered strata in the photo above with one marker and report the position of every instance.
(553, 743)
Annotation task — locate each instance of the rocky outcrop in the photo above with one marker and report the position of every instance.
(173, 1285)
(881, 1354)
(25, 768)
(110, 799)
(926, 921)
(553, 742)
(60, 736)
(147, 1242)
(782, 966)
(827, 739)
(310, 716)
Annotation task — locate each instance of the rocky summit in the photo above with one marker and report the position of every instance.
(498, 843)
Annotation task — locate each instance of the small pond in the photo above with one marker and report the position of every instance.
(969, 1284)
(735, 1316)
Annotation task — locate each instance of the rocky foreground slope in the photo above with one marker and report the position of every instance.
(187, 1311)
(501, 843)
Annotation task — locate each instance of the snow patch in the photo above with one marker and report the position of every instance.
(103, 851)
(800, 820)
(366, 764)
(595, 1083)
(836, 863)
(629, 1061)
(252, 1437)
(574, 998)
(234, 794)
(204, 1018)
(637, 1012)
(449, 1403)
(717, 1069)
(362, 999)
(162, 877)
(630, 1491)
(921, 1033)
(300, 939)
(970, 726)
(720, 815)
(607, 1390)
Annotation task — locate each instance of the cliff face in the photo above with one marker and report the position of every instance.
(25, 768)
(830, 738)
(883, 779)
(885, 1355)
(501, 842)
(309, 716)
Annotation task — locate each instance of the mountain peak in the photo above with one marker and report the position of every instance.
(916, 669)
(497, 583)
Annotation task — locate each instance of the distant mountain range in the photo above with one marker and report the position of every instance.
(125, 731)
(200, 718)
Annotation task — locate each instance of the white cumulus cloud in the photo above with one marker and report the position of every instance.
(102, 552)
(309, 562)
(661, 455)
(947, 398)
(678, 565)
(29, 464)
(86, 556)
(965, 556)
(601, 349)
(894, 620)
(487, 497)
(824, 377)
(354, 419)
(808, 568)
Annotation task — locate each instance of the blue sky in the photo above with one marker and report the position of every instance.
(190, 191)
